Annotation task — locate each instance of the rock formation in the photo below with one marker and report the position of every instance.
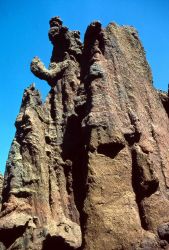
(1, 186)
(89, 168)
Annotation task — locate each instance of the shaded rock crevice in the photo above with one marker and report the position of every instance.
(144, 182)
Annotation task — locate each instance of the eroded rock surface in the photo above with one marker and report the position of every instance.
(1, 186)
(88, 169)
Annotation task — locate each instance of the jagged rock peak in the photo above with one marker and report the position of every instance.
(65, 41)
(31, 97)
(66, 55)
(88, 169)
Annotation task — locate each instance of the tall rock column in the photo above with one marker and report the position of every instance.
(38, 201)
(127, 198)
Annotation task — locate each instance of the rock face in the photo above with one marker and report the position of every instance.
(1, 185)
(89, 168)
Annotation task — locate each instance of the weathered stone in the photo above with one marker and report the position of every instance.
(88, 169)
(38, 179)
(1, 186)
(164, 99)
(123, 201)
(163, 231)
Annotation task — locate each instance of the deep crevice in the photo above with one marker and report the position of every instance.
(6, 189)
(50, 189)
(80, 185)
(71, 140)
(110, 149)
(142, 189)
(164, 97)
(132, 138)
(53, 105)
(22, 194)
(74, 148)
(56, 242)
(8, 236)
(138, 192)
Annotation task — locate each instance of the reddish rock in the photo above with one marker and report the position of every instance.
(88, 169)
(1, 186)
(127, 156)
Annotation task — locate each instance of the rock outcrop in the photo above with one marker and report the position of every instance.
(89, 168)
(1, 186)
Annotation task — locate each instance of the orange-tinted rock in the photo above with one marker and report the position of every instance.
(88, 169)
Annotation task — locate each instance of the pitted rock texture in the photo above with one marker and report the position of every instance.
(88, 169)
(1, 186)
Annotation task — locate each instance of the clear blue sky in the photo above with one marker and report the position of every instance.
(24, 27)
